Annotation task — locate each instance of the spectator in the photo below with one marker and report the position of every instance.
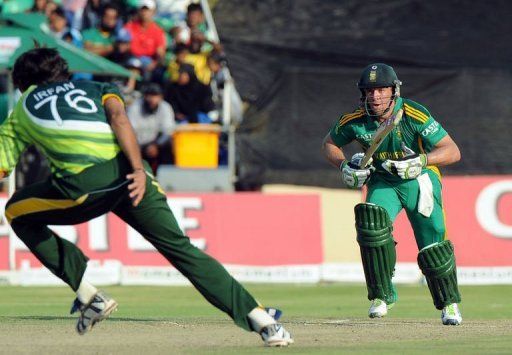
(153, 122)
(59, 27)
(131, 89)
(40, 7)
(183, 56)
(194, 32)
(148, 40)
(190, 99)
(121, 52)
(100, 40)
(88, 16)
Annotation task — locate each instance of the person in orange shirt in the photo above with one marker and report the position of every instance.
(148, 39)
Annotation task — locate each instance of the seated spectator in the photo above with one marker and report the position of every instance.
(100, 40)
(148, 39)
(153, 121)
(191, 99)
(40, 7)
(132, 88)
(88, 16)
(198, 61)
(59, 27)
(194, 32)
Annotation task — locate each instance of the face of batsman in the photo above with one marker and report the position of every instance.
(379, 86)
(379, 100)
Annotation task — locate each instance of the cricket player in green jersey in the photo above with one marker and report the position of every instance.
(404, 175)
(83, 130)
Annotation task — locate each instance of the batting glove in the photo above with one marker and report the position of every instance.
(408, 167)
(352, 175)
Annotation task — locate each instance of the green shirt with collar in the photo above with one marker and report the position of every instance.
(418, 130)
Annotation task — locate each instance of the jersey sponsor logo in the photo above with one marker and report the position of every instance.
(364, 138)
(390, 155)
(431, 129)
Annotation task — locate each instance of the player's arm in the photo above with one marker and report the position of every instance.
(123, 130)
(12, 146)
(332, 152)
(351, 174)
(445, 152)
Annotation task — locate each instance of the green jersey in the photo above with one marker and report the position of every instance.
(66, 121)
(418, 130)
(98, 37)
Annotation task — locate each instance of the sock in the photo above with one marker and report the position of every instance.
(86, 292)
(260, 319)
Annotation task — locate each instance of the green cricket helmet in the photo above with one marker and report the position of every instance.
(378, 75)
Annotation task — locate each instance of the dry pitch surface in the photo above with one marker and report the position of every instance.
(129, 332)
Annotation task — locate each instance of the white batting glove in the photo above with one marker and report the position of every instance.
(408, 167)
(352, 175)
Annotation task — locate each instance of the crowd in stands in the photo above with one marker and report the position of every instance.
(177, 64)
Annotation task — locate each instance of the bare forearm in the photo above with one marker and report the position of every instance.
(124, 132)
(444, 154)
(332, 153)
(128, 142)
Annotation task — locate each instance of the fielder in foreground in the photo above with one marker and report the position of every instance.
(83, 130)
(404, 175)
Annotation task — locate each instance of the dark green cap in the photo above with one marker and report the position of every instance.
(378, 75)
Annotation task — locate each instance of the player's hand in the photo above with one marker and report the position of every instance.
(138, 186)
(408, 167)
(352, 175)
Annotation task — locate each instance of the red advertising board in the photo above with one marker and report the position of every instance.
(479, 221)
(237, 229)
(254, 229)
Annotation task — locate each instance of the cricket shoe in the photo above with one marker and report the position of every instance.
(379, 308)
(275, 335)
(450, 315)
(274, 312)
(98, 309)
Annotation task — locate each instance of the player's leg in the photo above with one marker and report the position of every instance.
(155, 221)
(374, 226)
(436, 257)
(30, 211)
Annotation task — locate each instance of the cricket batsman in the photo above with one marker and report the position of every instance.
(404, 174)
(83, 130)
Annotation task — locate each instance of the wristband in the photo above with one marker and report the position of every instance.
(424, 160)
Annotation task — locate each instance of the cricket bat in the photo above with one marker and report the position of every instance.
(380, 134)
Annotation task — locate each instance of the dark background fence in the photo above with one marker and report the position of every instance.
(297, 63)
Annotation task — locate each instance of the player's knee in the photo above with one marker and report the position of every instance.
(372, 223)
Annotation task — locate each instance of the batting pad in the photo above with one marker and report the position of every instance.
(437, 262)
(378, 252)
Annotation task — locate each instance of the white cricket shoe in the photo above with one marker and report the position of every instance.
(378, 309)
(276, 335)
(95, 311)
(450, 315)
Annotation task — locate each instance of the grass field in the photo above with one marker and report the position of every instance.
(322, 318)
